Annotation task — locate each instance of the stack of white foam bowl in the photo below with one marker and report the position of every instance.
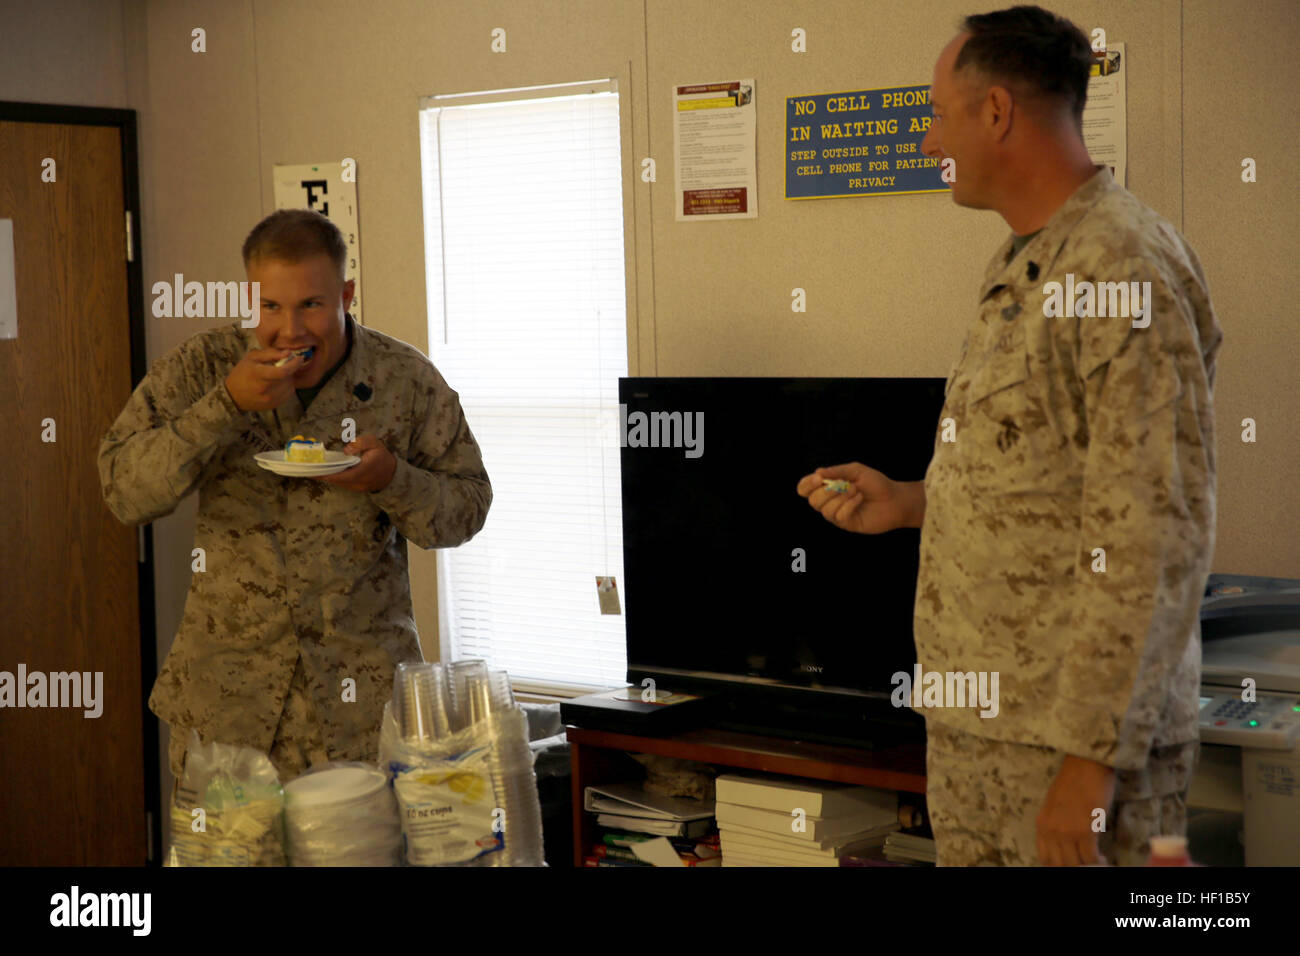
(342, 816)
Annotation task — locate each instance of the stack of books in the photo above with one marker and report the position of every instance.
(793, 821)
(909, 848)
(620, 848)
(638, 828)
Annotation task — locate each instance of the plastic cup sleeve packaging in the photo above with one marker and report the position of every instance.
(455, 745)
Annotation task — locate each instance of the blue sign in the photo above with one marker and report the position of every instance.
(865, 143)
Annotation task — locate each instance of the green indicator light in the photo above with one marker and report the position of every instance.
(1254, 723)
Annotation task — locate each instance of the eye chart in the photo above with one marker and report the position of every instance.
(331, 190)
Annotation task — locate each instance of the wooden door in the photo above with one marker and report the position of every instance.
(74, 786)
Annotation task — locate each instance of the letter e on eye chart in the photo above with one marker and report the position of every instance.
(322, 187)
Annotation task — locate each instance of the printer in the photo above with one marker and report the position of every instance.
(1248, 778)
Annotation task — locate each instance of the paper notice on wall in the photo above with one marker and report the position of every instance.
(8, 282)
(331, 190)
(1105, 119)
(714, 131)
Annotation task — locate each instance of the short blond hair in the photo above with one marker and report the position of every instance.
(292, 235)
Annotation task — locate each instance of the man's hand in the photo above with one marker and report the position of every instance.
(256, 385)
(372, 473)
(1065, 835)
(873, 504)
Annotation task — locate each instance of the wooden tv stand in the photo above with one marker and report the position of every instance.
(599, 756)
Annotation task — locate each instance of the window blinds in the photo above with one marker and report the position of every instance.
(523, 217)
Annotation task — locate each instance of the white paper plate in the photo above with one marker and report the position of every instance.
(335, 461)
(334, 785)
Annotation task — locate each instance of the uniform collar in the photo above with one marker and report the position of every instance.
(346, 386)
(1039, 254)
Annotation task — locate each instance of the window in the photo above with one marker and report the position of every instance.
(523, 220)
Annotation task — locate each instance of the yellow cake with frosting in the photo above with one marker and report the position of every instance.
(304, 449)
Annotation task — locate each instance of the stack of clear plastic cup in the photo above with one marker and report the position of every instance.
(518, 786)
(475, 705)
(420, 703)
(478, 702)
(502, 692)
(464, 679)
(505, 725)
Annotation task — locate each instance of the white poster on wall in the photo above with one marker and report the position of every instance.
(714, 137)
(331, 190)
(1105, 117)
(8, 282)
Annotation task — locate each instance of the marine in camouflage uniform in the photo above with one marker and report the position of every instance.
(306, 583)
(1072, 434)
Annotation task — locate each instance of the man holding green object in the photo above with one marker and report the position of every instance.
(1067, 516)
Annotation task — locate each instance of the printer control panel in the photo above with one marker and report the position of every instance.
(1270, 722)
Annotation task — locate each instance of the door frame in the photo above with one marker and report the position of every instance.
(125, 121)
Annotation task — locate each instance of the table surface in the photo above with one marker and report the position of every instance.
(898, 767)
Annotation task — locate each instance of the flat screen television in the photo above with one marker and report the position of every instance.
(732, 581)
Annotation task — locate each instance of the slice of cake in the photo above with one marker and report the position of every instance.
(304, 449)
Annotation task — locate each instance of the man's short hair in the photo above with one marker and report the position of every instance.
(292, 235)
(1030, 51)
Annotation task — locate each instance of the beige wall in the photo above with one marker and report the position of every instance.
(1241, 79)
(71, 52)
(891, 281)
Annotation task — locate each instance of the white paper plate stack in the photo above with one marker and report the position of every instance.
(342, 816)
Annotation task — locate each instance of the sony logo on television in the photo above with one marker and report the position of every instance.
(812, 668)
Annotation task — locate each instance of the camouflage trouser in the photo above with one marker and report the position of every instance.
(984, 797)
(297, 745)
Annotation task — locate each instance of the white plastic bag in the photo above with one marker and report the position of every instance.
(228, 810)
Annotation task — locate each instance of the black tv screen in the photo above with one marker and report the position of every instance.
(711, 526)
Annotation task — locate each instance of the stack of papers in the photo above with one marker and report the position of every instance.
(909, 848)
(628, 807)
(794, 821)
